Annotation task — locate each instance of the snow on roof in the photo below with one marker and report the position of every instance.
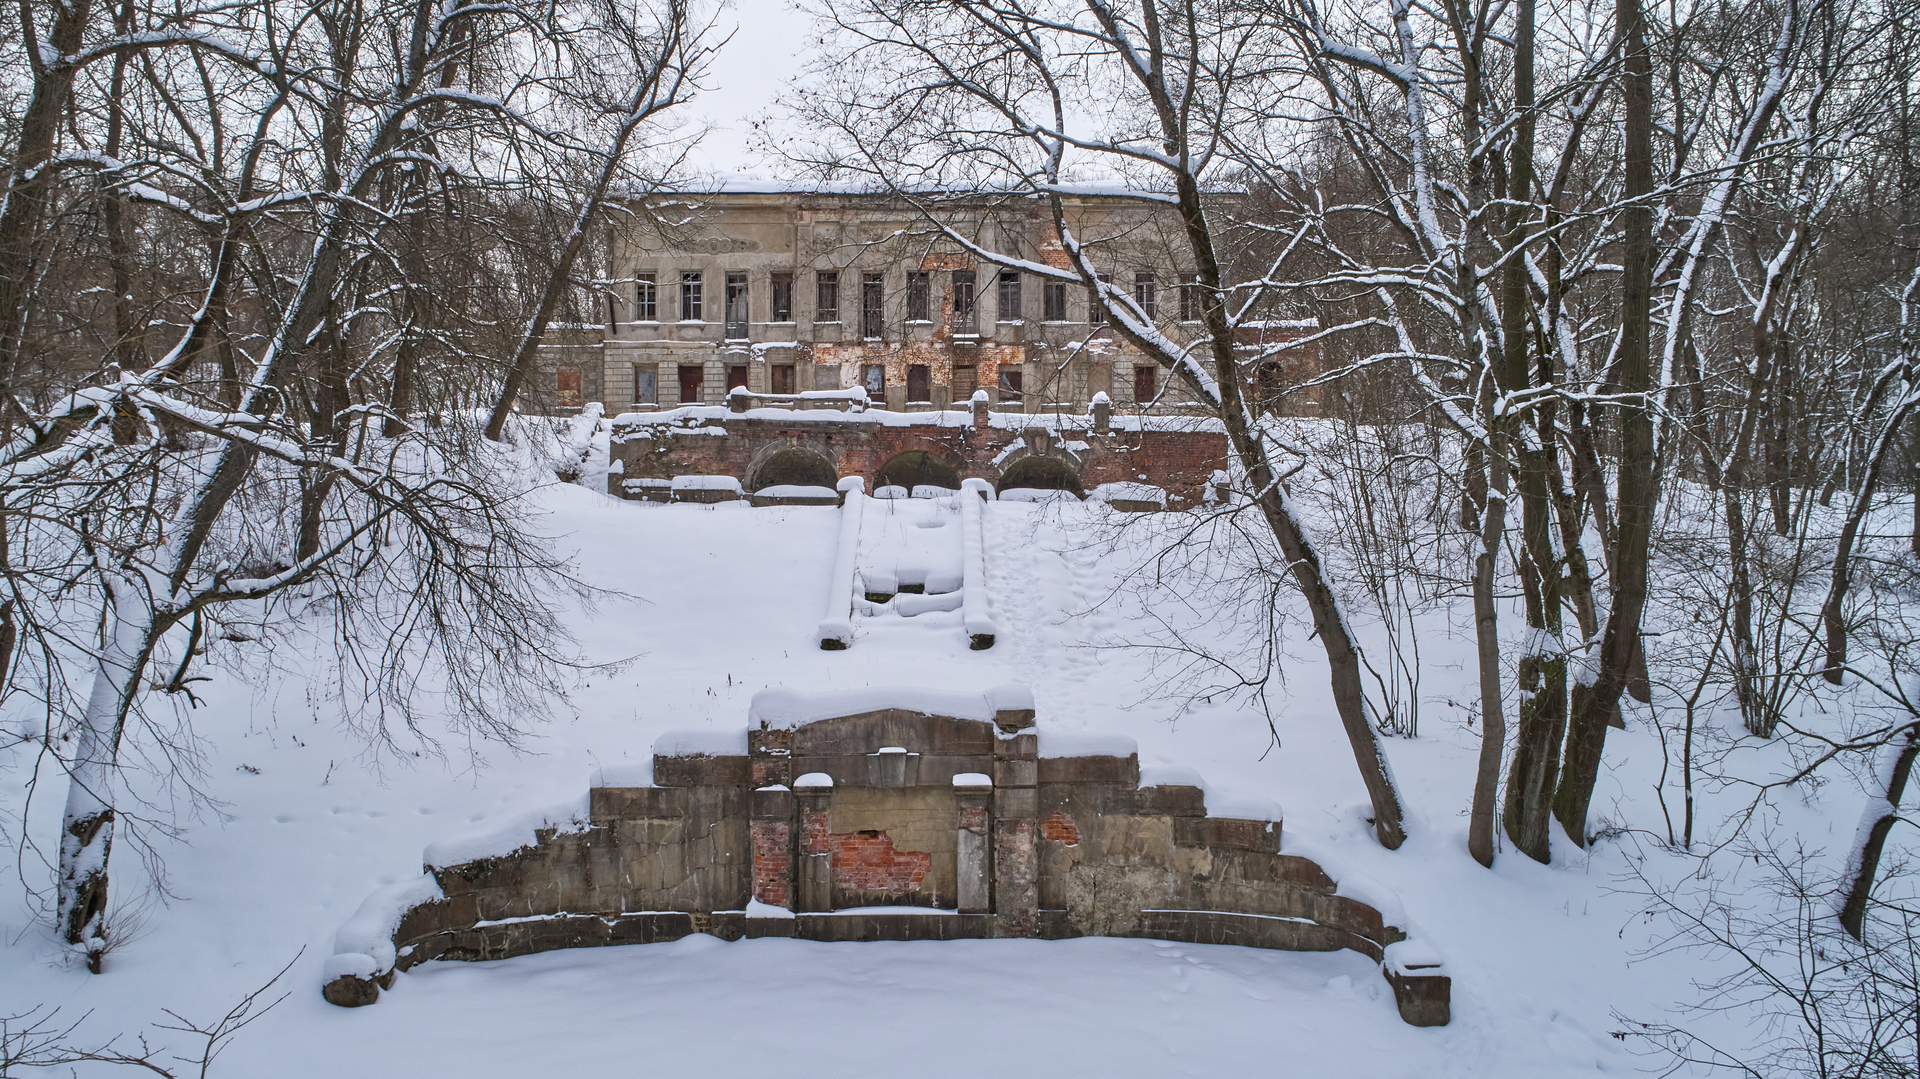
(786, 708)
(713, 418)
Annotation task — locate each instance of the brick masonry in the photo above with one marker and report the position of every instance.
(1053, 847)
(661, 446)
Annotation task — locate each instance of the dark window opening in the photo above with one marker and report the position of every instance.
(692, 375)
(1190, 299)
(567, 382)
(963, 302)
(646, 298)
(1146, 293)
(1053, 298)
(736, 305)
(782, 306)
(965, 381)
(873, 299)
(919, 289)
(736, 375)
(646, 385)
(1009, 296)
(1143, 383)
(1010, 383)
(826, 296)
(782, 378)
(690, 296)
(919, 382)
(1096, 309)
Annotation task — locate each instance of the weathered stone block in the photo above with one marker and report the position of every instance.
(700, 770)
(1096, 769)
(636, 803)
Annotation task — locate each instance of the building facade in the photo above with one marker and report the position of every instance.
(785, 291)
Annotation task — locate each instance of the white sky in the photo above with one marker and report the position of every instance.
(746, 79)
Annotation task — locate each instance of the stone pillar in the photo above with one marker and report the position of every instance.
(812, 792)
(1015, 824)
(1102, 413)
(975, 795)
(980, 411)
(771, 810)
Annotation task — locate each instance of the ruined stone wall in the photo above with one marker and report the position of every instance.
(1180, 462)
(900, 809)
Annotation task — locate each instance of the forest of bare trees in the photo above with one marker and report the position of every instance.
(1630, 289)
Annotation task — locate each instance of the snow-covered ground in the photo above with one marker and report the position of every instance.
(716, 603)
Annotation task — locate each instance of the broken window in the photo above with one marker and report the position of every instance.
(873, 299)
(1053, 300)
(919, 382)
(736, 305)
(965, 381)
(690, 296)
(1096, 310)
(567, 381)
(826, 296)
(782, 298)
(1143, 382)
(1190, 298)
(646, 384)
(1146, 293)
(918, 289)
(646, 297)
(963, 302)
(1009, 298)
(873, 376)
(1010, 383)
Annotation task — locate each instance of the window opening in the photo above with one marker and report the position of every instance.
(1053, 300)
(919, 383)
(1143, 383)
(646, 297)
(782, 298)
(646, 385)
(690, 296)
(963, 321)
(1146, 293)
(873, 298)
(826, 296)
(918, 290)
(691, 376)
(1009, 298)
(736, 305)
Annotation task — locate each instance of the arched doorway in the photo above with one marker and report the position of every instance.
(794, 466)
(916, 468)
(1042, 474)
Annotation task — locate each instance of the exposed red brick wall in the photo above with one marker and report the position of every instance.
(1178, 461)
(867, 862)
(772, 872)
(1060, 828)
(813, 839)
(973, 819)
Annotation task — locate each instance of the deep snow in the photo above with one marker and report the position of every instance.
(722, 602)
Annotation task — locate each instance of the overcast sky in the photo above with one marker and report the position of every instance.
(747, 77)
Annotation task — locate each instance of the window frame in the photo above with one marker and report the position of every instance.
(646, 296)
(966, 316)
(1146, 293)
(1006, 296)
(692, 296)
(780, 297)
(919, 296)
(826, 295)
(1053, 301)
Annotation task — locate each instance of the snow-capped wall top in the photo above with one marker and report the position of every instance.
(786, 708)
(1086, 744)
(702, 742)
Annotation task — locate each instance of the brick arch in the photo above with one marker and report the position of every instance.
(792, 460)
(1044, 471)
(917, 466)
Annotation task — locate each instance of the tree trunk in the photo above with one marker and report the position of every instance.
(1879, 820)
(1634, 523)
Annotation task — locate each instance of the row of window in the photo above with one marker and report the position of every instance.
(873, 376)
(872, 299)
